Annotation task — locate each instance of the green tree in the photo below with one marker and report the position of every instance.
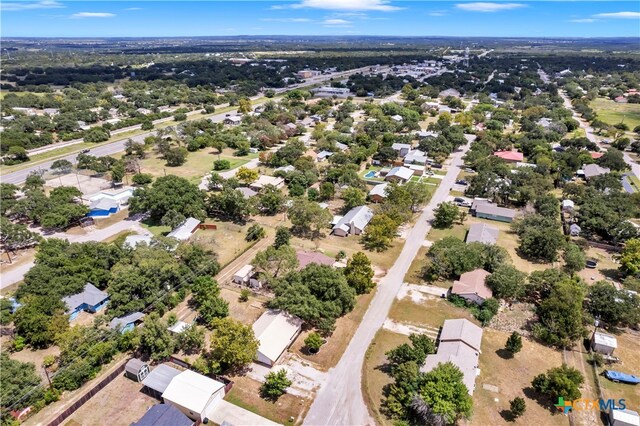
(20, 383)
(141, 179)
(630, 257)
(612, 306)
(353, 197)
(244, 105)
(308, 218)
(221, 165)
(445, 214)
(314, 342)
(16, 236)
(246, 175)
(380, 232)
(283, 236)
(517, 407)
(172, 219)
(359, 273)
(117, 171)
(514, 343)
(156, 340)
(560, 314)
(574, 258)
(271, 200)
(444, 392)
(175, 156)
(169, 193)
(191, 340)
(558, 382)
(230, 204)
(274, 262)
(506, 282)
(233, 346)
(327, 191)
(61, 166)
(275, 385)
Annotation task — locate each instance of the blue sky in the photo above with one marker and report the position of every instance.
(59, 18)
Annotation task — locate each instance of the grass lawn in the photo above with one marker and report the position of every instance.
(337, 343)
(634, 181)
(414, 274)
(613, 113)
(428, 313)
(458, 231)
(512, 376)
(628, 351)
(227, 240)
(374, 375)
(246, 394)
(156, 230)
(577, 133)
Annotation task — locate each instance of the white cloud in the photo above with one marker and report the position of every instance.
(488, 7)
(583, 21)
(437, 13)
(619, 15)
(336, 22)
(377, 5)
(133, 8)
(44, 4)
(93, 15)
(286, 19)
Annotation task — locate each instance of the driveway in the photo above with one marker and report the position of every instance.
(340, 401)
(227, 413)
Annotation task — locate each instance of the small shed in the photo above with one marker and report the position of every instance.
(158, 379)
(275, 331)
(574, 230)
(624, 418)
(243, 274)
(127, 322)
(179, 327)
(136, 369)
(603, 343)
(567, 205)
(194, 394)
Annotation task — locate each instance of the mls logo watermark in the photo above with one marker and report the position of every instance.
(590, 404)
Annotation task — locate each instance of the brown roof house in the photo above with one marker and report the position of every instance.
(471, 286)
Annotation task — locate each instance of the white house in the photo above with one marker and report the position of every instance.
(354, 222)
(397, 118)
(401, 148)
(399, 174)
(185, 230)
(275, 331)
(194, 394)
(233, 120)
(265, 180)
(624, 418)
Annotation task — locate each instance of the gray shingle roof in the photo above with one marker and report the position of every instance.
(482, 233)
(89, 295)
(124, 320)
(358, 216)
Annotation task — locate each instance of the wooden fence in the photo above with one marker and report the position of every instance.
(88, 395)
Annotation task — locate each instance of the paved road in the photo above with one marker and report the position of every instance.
(635, 168)
(20, 176)
(16, 274)
(340, 400)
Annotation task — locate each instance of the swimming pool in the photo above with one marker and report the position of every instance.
(370, 174)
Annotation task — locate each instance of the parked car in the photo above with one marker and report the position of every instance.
(84, 151)
(462, 182)
(459, 200)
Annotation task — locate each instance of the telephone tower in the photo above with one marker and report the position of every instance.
(466, 57)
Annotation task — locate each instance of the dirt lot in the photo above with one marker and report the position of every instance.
(512, 377)
(607, 266)
(288, 410)
(337, 343)
(227, 240)
(36, 357)
(430, 312)
(88, 185)
(374, 376)
(120, 403)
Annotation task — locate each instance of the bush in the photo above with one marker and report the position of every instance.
(147, 125)
(517, 406)
(180, 117)
(313, 342)
(275, 385)
(221, 165)
(255, 233)
(244, 295)
(514, 343)
(18, 344)
(141, 179)
(597, 360)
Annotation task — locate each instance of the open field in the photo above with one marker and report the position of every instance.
(607, 266)
(430, 312)
(613, 113)
(337, 343)
(227, 240)
(246, 394)
(121, 402)
(374, 375)
(513, 378)
(414, 274)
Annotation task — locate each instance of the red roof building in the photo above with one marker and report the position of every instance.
(510, 156)
(307, 257)
(596, 155)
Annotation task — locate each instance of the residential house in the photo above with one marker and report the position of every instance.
(399, 174)
(164, 415)
(482, 233)
(194, 394)
(247, 192)
(509, 156)
(329, 92)
(574, 230)
(243, 274)
(596, 155)
(593, 170)
(185, 230)
(568, 205)
(449, 92)
(323, 155)
(416, 156)
(354, 222)
(378, 193)
(90, 299)
(265, 180)
(275, 331)
(179, 327)
(103, 207)
(126, 322)
(488, 210)
(603, 343)
(308, 73)
(307, 257)
(471, 286)
(132, 241)
(459, 344)
(285, 169)
(402, 149)
(397, 118)
(233, 120)
(341, 146)
(625, 417)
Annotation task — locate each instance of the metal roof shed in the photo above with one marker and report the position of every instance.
(624, 418)
(159, 378)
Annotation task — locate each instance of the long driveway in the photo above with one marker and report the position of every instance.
(340, 400)
(20, 176)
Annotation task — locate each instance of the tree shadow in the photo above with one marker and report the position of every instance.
(385, 368)
(542, 400)
(508, 416)
(504, 354)
(613, 274)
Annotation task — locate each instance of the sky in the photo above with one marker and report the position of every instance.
(501, 18)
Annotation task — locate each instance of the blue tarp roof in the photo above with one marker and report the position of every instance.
(622, 377)
(164, 415)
